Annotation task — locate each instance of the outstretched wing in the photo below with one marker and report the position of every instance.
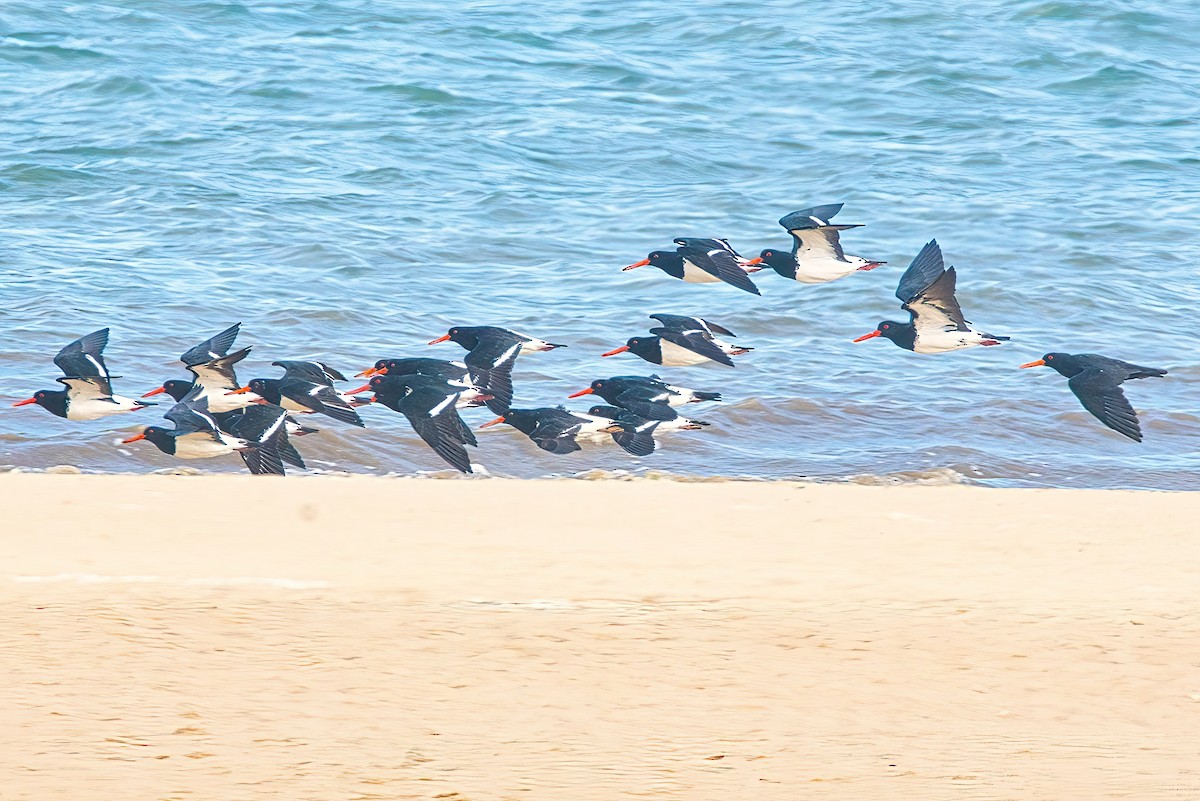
(716, 260)
(217, 375)
(1100, 393)
(924, 270)
(317, 372)
(211, 349)
(193, 418)
(815, 217)
(444, 435)
(696, 341)
(321, 398)
(681, 322)
(819, 242)
(492, 352)
(556, 433)
(490, 366)
(642, 406)
(937, 308)
(83, 388)
(85, 356)
(636, 443)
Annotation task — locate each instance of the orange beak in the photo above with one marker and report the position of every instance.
(583, 392)
(363, 388)
(621, 349)
(865, 337)
(25, 402)
(134, 438)
(635, 265)
(241, 391)
(755, 260)
(495, 422)
(1038, 363)
(154, 392)
(371, 371)
(442, 338)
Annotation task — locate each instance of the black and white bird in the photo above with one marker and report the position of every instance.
(936, 323)
(645, 388)
(186, 392)
(816, 256)
(636, 436)
(302, 396)
(492, 351)
(321, 374)
(212, 369)
(686, 325)
(198, 436)
(1096, 380)
(428, 403)
(455, 373)
(675, 347)
(702, 261)
(664, 417)
(88, 394)
(557, 430)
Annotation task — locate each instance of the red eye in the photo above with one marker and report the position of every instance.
(886, 327)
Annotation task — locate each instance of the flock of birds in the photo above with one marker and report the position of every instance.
(215, 415)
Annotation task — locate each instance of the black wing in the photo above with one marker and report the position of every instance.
(556, 430)
(259, 422)
(1100, 393)
(264, 425)
(85, 356)
(264, 460)
(321, 398)
(937, 307)
(679, 322)
(490, 366)
(925, 269)
(317, 372)
(218, 374)
(289, 454)
(637, 443)
(710, 256)
(696, 341)
(213, 348)
(495, 351)
(815, 217)
(444, 436)
(193, 418)
(637, 403)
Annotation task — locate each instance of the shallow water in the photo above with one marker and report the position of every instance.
(349, 179)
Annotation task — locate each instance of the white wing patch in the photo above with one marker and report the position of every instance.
(436, 410)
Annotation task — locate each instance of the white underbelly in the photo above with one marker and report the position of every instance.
(200, 448)
(694, 275)
(945, 341)
(95, 408)
(219, 401)
(821, 269)
(675, 356)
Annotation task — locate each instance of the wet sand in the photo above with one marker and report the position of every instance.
(234, 638)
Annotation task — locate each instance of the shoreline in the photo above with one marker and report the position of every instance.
(235, 638)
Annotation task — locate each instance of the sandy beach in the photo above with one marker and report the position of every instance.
(233, 638)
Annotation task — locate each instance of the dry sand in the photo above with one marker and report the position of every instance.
(232, 638)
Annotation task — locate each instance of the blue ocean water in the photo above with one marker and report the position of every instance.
(350, 178)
